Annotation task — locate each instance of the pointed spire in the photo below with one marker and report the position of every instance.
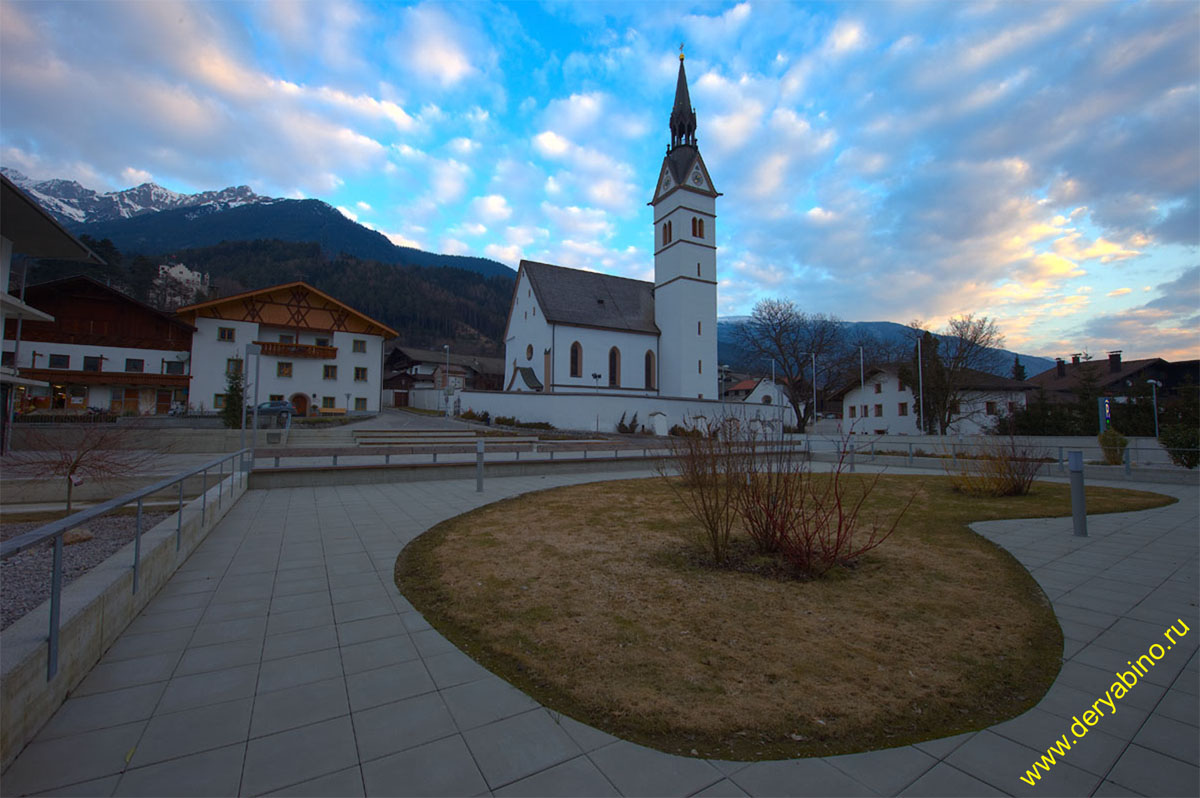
(683, 116)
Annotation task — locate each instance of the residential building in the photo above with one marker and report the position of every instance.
(314, 351)
(102, 349)
(407, 368)
(883, 404)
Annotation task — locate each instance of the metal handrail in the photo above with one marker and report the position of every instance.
(56, 529)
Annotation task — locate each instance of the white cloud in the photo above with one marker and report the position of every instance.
(847, 35)
(363, 206)
(491, 208)
(401, 240)
(462, 146)
(510, 255)
(575, 221)
(432, 46)
(135, 177)
(551, 145)
(347, 213)
(1120, 292)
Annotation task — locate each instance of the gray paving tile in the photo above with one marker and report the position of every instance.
(363, 608)
(298, 755)
(178, 734)
(722, 789)
(186, 692)
(302, 641)
(802, 777)
(400, 725)
(118, 675)
(101, 710)
(370, 629)
(208, 634)
(165, 621)
(454, 667)
(1180, 706)
(886, 772)
(476, 703)
(577, 776)
(256, 608)
(314, 666)
(341, 595)
(279, 623)
(543, 744)
(299, 601)
(1152, 773)
(292, 707)
(385, 685)
(1170, 737)
(216, 772)
(377, 653)
(637, 770)
(1001, 762)
(945, 781)
(443, 767)
(1109, 788)
(346, 783)
(87, 789)
(943, 746)
(92, 755)
(430, 642)
(586, 737)
(220, 656)
(129, 646)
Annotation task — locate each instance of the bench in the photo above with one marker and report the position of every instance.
(332, 411)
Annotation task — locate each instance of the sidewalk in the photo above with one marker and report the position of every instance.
(281, 658)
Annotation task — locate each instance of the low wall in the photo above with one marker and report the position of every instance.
(94, 610)
(600, 412)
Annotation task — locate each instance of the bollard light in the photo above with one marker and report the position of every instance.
(1078, 508)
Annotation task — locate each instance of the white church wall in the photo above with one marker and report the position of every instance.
(601, 412)
(527, 337)
(596, 345)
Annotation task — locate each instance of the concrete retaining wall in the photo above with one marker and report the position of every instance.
(95, 609)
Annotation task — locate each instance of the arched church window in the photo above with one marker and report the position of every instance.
(529, 351)
(666, 233)
(614, 367)
(700, 228)
(649, 369)
(576, 360)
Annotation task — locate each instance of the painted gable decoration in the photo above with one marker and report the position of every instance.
(294, 305)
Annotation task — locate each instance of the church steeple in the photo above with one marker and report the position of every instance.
(683, 116)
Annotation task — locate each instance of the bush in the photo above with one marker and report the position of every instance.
(684, 432)
(506, 421)
(468, 415)
(511, 421)
(1004, 467)
(711, 481)
(1113, 444)
(1182, 442)
(631, 427)
(621, 425)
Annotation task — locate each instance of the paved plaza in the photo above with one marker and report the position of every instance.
(281, 659)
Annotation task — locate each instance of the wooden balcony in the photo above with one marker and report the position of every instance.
(276, 349)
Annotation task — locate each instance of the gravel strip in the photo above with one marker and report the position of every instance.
(25, 578)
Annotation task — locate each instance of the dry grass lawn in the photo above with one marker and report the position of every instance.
(589, 599)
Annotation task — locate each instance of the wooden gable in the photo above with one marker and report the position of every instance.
(296, 306)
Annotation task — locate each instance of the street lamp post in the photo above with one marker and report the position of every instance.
(920, 387)
(1154, 386)
(256, 350)
(446, 379)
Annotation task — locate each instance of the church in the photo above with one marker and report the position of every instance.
(576, 331)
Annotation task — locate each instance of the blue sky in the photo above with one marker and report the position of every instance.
(1036, 163)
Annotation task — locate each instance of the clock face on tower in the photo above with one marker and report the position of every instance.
(696, 178)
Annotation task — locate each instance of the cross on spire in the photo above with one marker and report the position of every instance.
(683, 115)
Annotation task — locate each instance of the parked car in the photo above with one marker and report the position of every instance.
(278, 407)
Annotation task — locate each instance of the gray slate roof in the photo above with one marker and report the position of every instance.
(588, 299)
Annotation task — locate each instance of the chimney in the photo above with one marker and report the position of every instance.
(1074, 360)
(1114, 361)
(1060, 366)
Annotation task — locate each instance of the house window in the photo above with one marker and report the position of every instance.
(902, 386)
(174, 367)
(218, 401)
(853, 411)
(697, 227)
(614, 367)
(991, 408)
(275, 397)
(329, 373)
(60, 361)
(766, 400)
(699, 328)
(902, 409)
(328, 402)
(283, 369)
(529, 351)
(576, 360)
(286, 338)
(360, 374)
(878, 411)
(7, 359)
(649, 368)
(322, 342)
(864, 411)
(135, 365)
(879, 387)
(91, 363)
(360, 403)
(226, 334)
(359, 345)
(233, 366)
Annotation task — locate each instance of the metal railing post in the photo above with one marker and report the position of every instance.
(137, 546)
(55, 603)
(435, 457)
(277, 461)
(220, 483)
(179, 518)
(335, 460)
(1061, 465)
(910, 454)
(1128, 461)
(479, 466)
(387, 459)
(204, 497)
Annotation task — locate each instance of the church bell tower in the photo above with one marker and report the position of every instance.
(685, 260)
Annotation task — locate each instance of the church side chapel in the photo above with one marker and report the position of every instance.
(573, 331)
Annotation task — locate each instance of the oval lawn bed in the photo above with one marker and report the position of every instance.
(590, 599)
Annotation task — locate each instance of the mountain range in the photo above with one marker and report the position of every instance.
(151, 220)
(230, 233)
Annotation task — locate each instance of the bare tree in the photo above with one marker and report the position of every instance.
(950, 365)
(780, 332)
(98, 451)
